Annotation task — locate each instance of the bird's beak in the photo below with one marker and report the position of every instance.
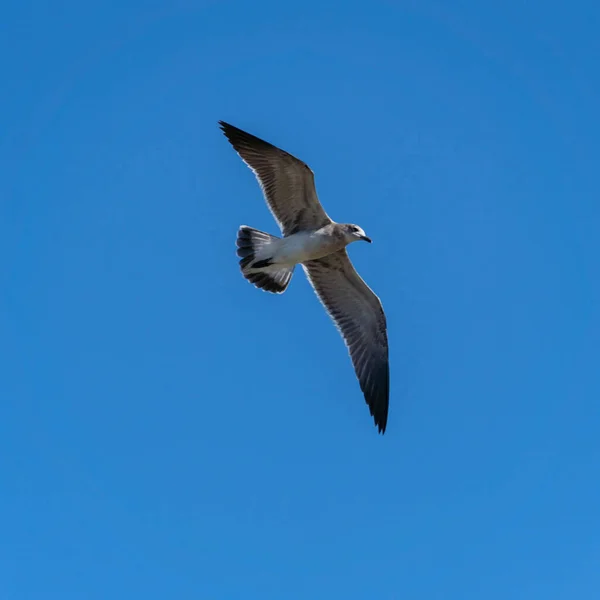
(367, 239)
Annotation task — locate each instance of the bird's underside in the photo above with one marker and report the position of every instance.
(312, 239)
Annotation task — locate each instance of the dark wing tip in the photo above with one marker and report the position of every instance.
(380, 420)
(228, 129)
(377, 394)
(231, 132)
(242, 139)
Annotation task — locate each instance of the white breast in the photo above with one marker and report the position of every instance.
(303, 246)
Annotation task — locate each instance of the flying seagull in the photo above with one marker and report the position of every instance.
(312, 239)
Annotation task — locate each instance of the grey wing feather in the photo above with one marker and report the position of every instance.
(287, 183)
(359, 316)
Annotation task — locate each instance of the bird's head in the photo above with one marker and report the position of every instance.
(354, 233)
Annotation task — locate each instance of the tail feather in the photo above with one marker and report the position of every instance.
(250, 240)
(256, 264)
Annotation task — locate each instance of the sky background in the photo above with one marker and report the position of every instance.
(169, 431)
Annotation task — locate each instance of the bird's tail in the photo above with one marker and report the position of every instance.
(257, 263)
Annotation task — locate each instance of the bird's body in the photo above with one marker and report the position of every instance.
(312, 239)
(303, 246)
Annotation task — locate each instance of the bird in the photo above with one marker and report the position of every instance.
(312, 239)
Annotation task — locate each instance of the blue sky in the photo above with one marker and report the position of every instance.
(168, 431)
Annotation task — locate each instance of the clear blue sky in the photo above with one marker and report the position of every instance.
(168, 431)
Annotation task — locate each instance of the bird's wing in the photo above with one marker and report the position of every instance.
(287, 183)
(359, 316)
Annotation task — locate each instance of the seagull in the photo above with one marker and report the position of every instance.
(312, 239)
